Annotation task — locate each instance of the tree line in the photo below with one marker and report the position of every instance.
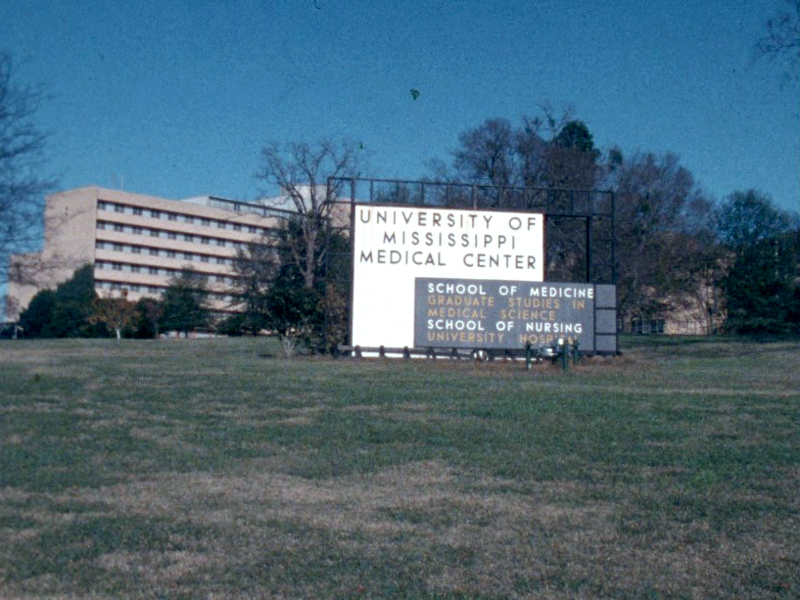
(74, 309)
(733, 265)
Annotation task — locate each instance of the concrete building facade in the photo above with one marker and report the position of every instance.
(140, 243)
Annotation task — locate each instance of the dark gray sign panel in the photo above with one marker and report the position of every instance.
(453, 313)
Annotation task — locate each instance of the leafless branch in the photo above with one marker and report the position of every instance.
(301, 171)
(22, 183)
(782, 39)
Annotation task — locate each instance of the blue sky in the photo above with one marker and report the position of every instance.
(176, 98)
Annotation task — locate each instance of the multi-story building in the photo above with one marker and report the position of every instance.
(140, 243)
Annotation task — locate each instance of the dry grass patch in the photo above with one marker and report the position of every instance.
(418, 528)
(457, 541)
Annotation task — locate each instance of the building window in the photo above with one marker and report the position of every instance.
(205, 240)
(154, 233)
(189, 220)
(237, 227)
(118, 227)
(137, 231)
(172, 235)
(117, 247)
(116, 266)
(136, 249)
(204, 258)
(172, 216)
(137, 211)
(155, 214)
(171, 254)
(119, 208)
(188, 256)
(153, 251)
(152, 270)
(135, 268)
(188, 237)
(221, 243)
(220, 260)
(222, 225)
(206, 222)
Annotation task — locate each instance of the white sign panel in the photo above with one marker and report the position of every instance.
(395, 245)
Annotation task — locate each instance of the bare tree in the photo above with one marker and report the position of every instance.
(302, 171)
(546, 151)
(782, 39)
(22, 184)
(659, 214)
(487, 154)
(549, 160)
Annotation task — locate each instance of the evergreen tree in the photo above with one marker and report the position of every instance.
(184, 303)
(36, 320)
(760, 287)
(255, 266)
(75, 305)
(65, 312)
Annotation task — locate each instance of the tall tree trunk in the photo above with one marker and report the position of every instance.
(311, 244)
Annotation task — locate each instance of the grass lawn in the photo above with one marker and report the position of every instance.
(217, 469)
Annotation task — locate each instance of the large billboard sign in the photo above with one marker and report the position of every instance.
(396, 246)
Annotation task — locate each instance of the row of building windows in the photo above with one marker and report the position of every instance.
(180, 217)
(245, 207)
(644, 326)
(170, 235)
(151, 251)
(154, 290)
(151, 270)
